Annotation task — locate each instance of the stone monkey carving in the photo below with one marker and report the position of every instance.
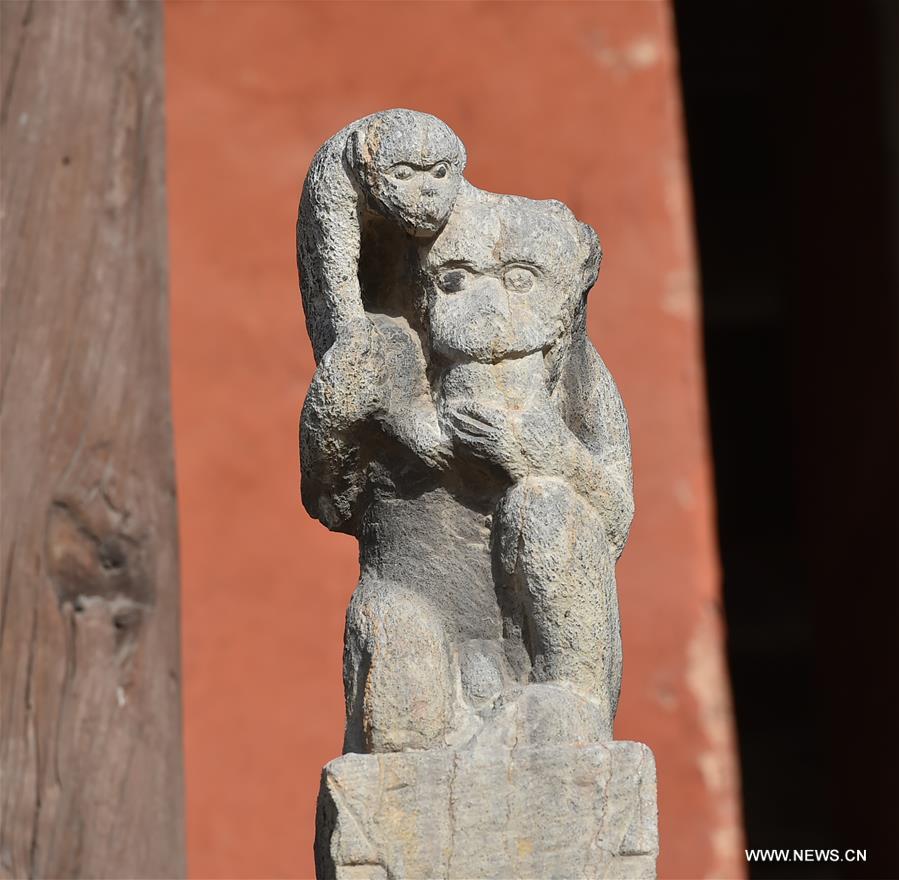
(401, 165)
(472, 439)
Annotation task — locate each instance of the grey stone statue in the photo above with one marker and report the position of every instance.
(462, 426)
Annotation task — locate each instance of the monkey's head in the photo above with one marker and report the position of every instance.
(409, 166)
(507, 277)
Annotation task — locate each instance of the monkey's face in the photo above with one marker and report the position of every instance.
(410, 167)
(503, 278)
(419, 197)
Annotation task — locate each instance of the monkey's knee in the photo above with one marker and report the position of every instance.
(545, 519)
(396, 671)
(555, 550)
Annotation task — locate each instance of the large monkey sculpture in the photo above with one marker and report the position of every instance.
(520, 385)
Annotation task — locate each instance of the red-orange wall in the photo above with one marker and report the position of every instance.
(571, 101)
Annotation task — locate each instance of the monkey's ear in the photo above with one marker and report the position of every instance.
(353, 151)
(592, 255)
(462, 156)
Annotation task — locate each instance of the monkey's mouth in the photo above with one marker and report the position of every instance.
(426, 230)
(425, 225)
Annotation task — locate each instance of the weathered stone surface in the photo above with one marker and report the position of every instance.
(462, 426)
(540, 811)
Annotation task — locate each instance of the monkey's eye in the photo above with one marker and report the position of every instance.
(451, 280)
(518, 279)
(402, 172)
(440, 170)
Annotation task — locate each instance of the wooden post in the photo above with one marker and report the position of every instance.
(90, 722)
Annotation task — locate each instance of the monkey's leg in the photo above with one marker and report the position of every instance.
(396, 671)
(554, 551)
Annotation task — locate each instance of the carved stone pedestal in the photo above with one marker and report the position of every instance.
(537, 812)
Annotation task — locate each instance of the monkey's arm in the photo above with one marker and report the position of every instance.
(328, 239)
(596, 454)
(346, 391)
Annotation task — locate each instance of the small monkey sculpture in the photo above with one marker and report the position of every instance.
(401, 165)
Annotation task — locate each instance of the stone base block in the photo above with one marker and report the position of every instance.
(539, 812)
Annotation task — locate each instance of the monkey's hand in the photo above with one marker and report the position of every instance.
(415, 425)
(489, 433)
(534, 440)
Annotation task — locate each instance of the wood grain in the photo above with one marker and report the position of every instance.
(90, 721)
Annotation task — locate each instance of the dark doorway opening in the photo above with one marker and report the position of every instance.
(792, 115)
